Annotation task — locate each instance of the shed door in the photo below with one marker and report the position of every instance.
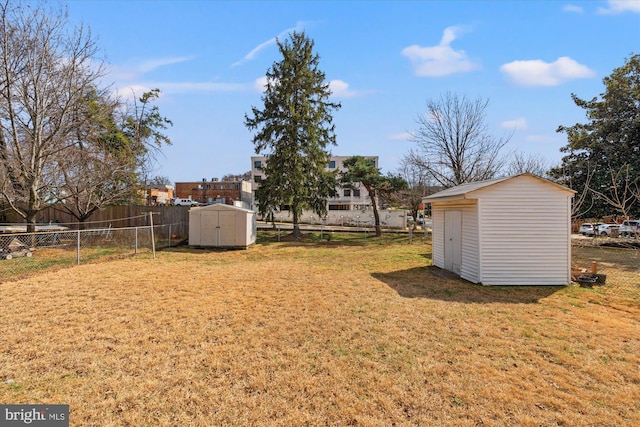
(226, 229)
(208, 228)
(453, 241)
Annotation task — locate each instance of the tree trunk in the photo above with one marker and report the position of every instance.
(31, 228)
(31, 222)
(296, 227)
(376, 215)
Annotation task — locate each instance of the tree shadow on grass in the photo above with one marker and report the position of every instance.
(327, 239)
(436, 283)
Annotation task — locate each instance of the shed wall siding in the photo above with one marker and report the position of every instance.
(470, 259)
(524, 234)
(437, 238)
(470, 243)
(194, 229)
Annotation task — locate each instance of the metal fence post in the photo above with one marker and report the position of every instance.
(136, 240)
(78, 248)
(153, 241)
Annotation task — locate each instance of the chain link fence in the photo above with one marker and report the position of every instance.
(24, 254)
(613, 262)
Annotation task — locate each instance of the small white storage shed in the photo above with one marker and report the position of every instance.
(222, 226)
(507, 231)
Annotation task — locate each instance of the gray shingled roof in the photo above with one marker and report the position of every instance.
(463, 189)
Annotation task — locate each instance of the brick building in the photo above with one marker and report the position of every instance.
(236, 192)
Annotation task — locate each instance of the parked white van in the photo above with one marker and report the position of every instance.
(185, 202)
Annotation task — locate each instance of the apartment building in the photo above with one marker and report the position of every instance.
(342, 199)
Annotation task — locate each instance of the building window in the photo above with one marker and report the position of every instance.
(215, 186)
(347, 192)
(207, 187)
(257, 178)
(332, 193)
(257, 164)
(332, 164)
(222, 186)
(339, 207)
(356, 193)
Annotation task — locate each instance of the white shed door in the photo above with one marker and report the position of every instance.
(208, 228)
(218, 228)
(453, 241)
(227, 229)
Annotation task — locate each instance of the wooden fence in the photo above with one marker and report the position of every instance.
(115, 217)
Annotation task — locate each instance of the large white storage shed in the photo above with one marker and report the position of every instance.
(508, 231)
(222, 226)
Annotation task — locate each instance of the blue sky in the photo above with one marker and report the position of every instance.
(384, 60)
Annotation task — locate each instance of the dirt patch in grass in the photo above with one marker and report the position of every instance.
(363, 333)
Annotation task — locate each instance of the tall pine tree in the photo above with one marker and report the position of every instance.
(294, 130)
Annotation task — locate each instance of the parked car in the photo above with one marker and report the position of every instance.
(185, 202)
(608, 230)
(630, 228)
(587, 229)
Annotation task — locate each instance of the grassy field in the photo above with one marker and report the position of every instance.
(348, 332)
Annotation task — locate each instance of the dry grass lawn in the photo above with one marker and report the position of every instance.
(347, 332)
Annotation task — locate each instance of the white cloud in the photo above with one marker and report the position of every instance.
(130, 91)
(260, 83)
(404, 136)
(539, 73)
(440, 60)
(152, 64)
(185, 87)
(249, 56)
(520, 123)
(340, 89)
(620, 6)
(572, 8)
(133, 71)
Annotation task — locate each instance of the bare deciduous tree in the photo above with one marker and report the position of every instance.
(246, 176)
(94, 178)
(621, 194)
(420, 185)
(454, 146)
(99, 167)
(45, 71)
(582, 203)
(523, 163)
